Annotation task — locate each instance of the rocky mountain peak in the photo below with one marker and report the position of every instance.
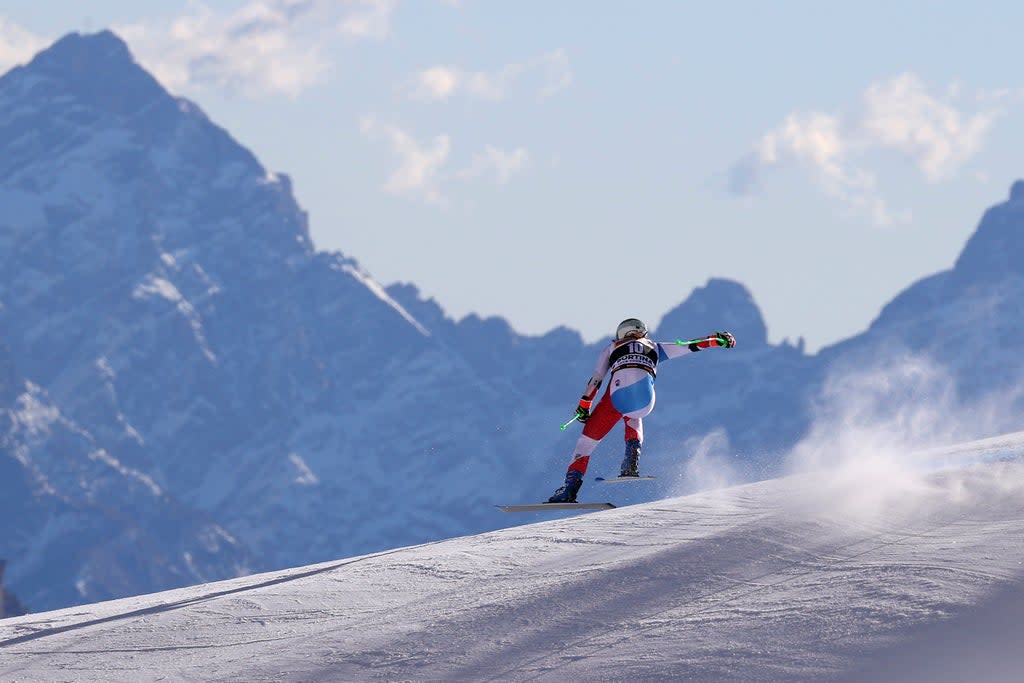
(1017, 191)
(993, 251)
(74, 50)
(97, 69)
(104, 162)
(719, 305)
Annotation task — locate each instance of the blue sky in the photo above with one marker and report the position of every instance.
(577, 163)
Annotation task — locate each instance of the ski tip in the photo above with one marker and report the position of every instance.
(612, 480)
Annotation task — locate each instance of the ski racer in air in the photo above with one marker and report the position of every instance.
(632, 359)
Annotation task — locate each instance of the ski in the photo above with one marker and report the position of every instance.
(540, 507)
(615, 480)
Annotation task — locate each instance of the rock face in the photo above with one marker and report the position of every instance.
(720, 304)
(10, 606)
(176, 353)
(993, 251)
(190, 391)
(967, 320)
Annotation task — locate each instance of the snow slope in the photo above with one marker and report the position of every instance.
(815, 576)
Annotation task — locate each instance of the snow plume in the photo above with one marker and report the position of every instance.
(708, 468)
(878, 434)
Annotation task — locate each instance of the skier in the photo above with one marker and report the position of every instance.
(632, 359)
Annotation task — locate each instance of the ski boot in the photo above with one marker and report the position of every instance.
(566, 493)
(630, 461)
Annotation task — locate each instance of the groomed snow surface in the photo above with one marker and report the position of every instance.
(881, 572)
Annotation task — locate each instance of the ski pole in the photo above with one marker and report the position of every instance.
(574, 418)
(687, 342)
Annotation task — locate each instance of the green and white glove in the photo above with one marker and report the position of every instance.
(725, 339)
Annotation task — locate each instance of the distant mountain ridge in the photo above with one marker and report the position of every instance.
(10, 606)
(182, 372)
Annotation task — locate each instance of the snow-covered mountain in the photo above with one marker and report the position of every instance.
(69, 504)
(162, 302)
(971, 316)
(884, 568)
(191, 391)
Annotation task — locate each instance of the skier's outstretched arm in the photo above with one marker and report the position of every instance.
(667, 350)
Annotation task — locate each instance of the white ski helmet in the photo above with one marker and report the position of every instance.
(631, 328)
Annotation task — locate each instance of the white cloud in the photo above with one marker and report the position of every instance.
(17, 45)
(437, 83)
(491, 86)
(442, 82)
(814, 138)
(503, 164)
(419, 165)
(264, 47)
(557, 72)
(369, 19)
(548, 74)
(902, 115)
(897, 115)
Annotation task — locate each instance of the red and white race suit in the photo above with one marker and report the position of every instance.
(630, 395)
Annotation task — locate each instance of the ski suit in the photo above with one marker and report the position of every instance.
(630, 395)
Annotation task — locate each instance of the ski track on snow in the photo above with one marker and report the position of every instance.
(759, 582)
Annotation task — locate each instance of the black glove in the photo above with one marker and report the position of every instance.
(725, 339)
(583, 409)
